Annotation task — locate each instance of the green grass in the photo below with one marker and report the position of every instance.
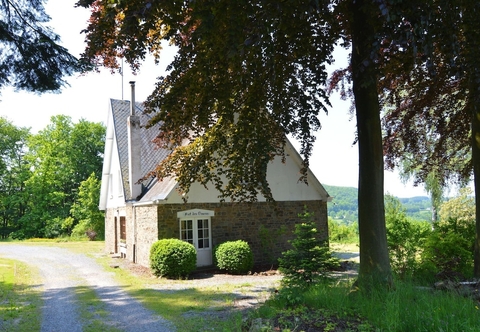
(20, 300)
(344, 247)
(406, 308)
(92, 311)
(81, 247)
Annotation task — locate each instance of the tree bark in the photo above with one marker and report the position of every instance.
(472, 40)
(374, 261)
(476, 174)
(474, 101)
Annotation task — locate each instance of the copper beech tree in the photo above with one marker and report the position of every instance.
(246, 74)
(433, 98)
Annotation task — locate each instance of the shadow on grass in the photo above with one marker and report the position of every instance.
(109, 309)
(195, 309)
(98, 309)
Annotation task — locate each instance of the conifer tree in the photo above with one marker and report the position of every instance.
(31, 57)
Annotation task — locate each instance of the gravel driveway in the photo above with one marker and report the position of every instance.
(62, 271)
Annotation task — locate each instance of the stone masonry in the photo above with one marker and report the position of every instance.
(267, 227)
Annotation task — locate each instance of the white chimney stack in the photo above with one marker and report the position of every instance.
(134, 148)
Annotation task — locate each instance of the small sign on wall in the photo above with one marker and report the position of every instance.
(195, 213)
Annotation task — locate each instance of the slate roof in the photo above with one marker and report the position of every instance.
(151, 154)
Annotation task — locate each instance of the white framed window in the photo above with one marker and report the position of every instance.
(197, 232)
(186, 230)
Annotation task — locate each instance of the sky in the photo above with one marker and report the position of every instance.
(334, 160)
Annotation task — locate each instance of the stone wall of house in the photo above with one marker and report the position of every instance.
(109, 231)
(112, 216)
(267, 227)
(129, 233)
(146, 232)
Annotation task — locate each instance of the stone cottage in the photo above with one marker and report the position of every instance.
(138, 214)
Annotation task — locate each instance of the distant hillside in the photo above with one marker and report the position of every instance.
(418, 207)
(344, 205)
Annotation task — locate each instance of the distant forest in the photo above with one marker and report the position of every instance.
(344, 206)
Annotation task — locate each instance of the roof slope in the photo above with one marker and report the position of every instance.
(151, 154)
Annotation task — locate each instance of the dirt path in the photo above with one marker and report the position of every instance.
(62, 272)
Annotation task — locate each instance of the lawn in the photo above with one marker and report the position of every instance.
(20, 299)
(334, 306)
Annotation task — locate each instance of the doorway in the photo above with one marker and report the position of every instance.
(196, 229)
(197, 232)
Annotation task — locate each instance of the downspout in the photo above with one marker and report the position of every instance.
(134, 249)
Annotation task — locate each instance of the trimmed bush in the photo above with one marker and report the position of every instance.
(234, 256)
(172, 258)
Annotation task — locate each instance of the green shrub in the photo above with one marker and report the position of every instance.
(172, 258)
(234, 256)
(310, 260)
(341, 233)
(448, 250)
(405, 238)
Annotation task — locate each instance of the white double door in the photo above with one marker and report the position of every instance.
(197, 231)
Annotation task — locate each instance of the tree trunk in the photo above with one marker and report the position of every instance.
(474, 101)
(472, 39)
(476, 174)
(374, 261)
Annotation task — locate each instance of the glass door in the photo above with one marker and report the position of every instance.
(197, 232)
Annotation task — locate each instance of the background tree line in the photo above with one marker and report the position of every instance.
(49, 181)
(344, 207)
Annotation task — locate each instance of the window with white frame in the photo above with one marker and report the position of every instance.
(196, 231)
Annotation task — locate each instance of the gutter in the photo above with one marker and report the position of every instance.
(154, 202)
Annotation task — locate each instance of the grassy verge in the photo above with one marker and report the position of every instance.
(344, 247)
(20, 299)
(89, 248)
(407, 308)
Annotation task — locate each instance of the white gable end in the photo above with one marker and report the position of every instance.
(283, 179)
(111, 192)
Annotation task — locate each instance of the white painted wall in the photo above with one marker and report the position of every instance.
(283, 180)
(115, 194)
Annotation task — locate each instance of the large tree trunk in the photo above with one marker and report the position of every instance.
(472, 39)
(476, 174)
(374, 261)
